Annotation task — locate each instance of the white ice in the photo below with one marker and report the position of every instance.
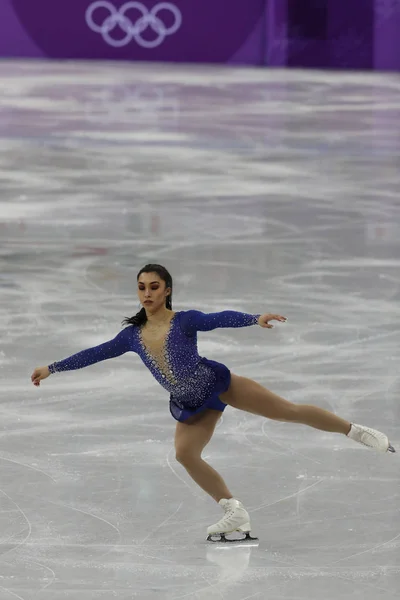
(261, 190)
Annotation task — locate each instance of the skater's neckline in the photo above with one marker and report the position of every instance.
(158, 355)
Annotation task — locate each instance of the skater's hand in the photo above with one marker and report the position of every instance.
(39, 374)
(263, 321)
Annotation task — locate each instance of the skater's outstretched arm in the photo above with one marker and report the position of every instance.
(119, 345)
(194, 320)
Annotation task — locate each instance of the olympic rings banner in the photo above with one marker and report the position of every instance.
(145, 30)
(360, 34)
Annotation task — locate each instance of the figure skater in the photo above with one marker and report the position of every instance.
(200, 389)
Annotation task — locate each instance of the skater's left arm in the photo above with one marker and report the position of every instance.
(194, 320)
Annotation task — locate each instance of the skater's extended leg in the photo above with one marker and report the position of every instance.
(190, 440)
(252, 397)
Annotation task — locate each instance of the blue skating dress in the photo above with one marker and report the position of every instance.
(193, 382)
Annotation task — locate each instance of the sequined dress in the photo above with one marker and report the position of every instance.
(193, 382)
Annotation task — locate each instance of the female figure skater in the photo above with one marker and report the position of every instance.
(200, 389)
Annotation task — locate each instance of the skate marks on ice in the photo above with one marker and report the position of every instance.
(28, 527)
(258, 189)
(11, 565)
(162, 524)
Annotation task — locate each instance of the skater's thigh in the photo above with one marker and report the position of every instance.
(192, 436)
(246, 394)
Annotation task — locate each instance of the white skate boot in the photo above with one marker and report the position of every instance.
(236, 519)
(370, 437)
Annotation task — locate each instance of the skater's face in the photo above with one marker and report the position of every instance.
(152, 291)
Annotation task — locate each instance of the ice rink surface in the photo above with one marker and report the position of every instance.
(260, 190)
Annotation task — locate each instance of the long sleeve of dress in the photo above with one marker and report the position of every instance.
(115, 347)
(194, 320)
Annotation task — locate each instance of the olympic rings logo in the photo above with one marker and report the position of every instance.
(134, 31)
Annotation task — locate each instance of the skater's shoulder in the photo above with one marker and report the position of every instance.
(129, 329)
(185, 315)
(189, 317)
(128, 332)
(191, 312)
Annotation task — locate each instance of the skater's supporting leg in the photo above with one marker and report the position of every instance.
(190, 441)
(246, 394)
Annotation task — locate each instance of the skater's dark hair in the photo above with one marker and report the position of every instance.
(140, 318)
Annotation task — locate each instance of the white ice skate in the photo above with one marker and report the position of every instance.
(370, 437)
(235, 520)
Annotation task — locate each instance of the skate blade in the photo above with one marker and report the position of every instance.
(234, 537)
(390, 448)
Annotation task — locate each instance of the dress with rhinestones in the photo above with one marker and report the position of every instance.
(193, 382)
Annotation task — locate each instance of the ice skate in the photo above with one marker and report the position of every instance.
(235, 521)
(370, 437)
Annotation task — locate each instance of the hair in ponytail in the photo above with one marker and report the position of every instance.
(140, 318)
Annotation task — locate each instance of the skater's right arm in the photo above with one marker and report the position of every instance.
(119, 345)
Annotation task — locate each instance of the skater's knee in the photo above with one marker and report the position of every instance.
(292, 413)
(185, 456)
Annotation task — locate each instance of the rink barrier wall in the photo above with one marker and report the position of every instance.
(337, 34)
